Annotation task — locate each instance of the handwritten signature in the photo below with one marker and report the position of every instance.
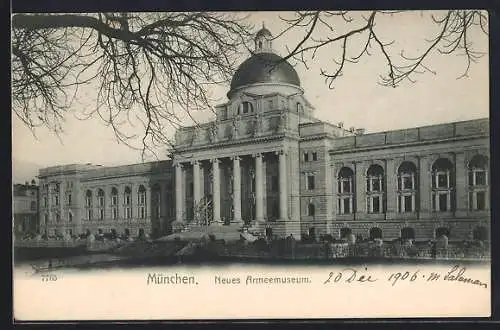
(352, 275)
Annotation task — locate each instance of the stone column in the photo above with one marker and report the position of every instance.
(259, 189)
(283, 186)
(216, 190)
(236, 190)
(62, 200)
(147, 202)
(390, 188)
(360, 189)
(424, 189)
(461, 176)
(196, 187)
(179, 209)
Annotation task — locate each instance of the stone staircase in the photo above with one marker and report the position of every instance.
(204, 224)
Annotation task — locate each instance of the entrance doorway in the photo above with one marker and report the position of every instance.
(375, 233)
(442, 231)
(408, 233)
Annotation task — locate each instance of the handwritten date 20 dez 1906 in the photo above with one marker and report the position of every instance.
(352, 275)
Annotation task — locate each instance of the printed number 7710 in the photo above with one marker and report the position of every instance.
(48, 277)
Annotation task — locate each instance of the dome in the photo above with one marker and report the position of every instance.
(265, 68)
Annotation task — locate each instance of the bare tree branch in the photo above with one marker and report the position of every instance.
(146, 68)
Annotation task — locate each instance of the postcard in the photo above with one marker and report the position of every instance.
(251, 165)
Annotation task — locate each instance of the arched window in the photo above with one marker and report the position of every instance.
(407, 187)
(100, 203)
(141, 194)
(127, 198)
(345, 191)
(114, 203)
(375, 232)
(478, 183)
(375, 189)
(442, 185)
(88, 204)
(480, 233)
(311, 209)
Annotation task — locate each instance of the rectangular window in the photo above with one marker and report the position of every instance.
(142, 198)
(407, 182)
(70, 217)
(346, 186)
(442, 202)
(128, 213)
(115, 213)
(142, 212)
(114, 200)
(33, 206)
(101, 201)
(306, 156)
(480, 178)
(101, 214)
(347, 208)
(270, 104)
(376, 204)
(56, 200)
(46, 218)
(314, 156)
(311, 210)
(310, 182)
(69, 199)
(45, 201)
(481, 200)
(88, 201)
(442, 180)
(127, 199)
(89, 214)
(376, 185)
(407, 203)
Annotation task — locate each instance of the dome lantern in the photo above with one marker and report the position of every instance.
(263, 40)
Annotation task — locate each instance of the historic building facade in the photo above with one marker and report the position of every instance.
(267, 163)
(130, 199)
(25, 208)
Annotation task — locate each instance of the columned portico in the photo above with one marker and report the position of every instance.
(238, 182)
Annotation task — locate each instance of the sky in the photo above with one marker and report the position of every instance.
(357, 99)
